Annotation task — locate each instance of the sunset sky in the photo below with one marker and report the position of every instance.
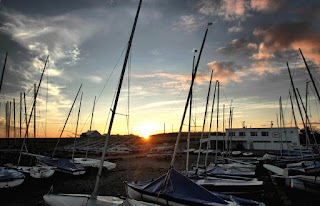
(247, 48)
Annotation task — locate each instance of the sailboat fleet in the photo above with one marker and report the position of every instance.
(211, 183)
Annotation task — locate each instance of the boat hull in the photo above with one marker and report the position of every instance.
(80, 200)
(13, 183)
(89, 162)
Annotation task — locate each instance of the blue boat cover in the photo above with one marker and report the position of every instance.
(61, 163)
(10, 174)
(178, 188)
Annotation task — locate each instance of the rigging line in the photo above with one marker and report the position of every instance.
(105, 87)
(124, 49)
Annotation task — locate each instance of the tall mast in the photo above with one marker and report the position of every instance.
(95, 190)
(188, 99)
(65, 123)
(223, 132)
(216, 156)
(296, 97)
(94, 104)
(190, 116)
(294, 116)
(75, 134)
(283, 124)
(4, 67)
(20, 116)
(34, 118)
(32, 109)
(204, 120)
(311, 77)
(307, 84)
(308, 122)
(14, 120)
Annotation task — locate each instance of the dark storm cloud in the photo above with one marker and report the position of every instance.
(291, 36)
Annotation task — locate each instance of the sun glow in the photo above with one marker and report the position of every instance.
(146, 129)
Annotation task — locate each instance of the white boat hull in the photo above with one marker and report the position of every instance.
(79, 200)
(13, 183)
(90, 162)
(84, 200)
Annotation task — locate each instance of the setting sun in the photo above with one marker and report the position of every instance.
(146, 129)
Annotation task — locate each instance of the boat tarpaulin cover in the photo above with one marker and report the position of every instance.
(178, 187)
(61, 163)
(10, 174)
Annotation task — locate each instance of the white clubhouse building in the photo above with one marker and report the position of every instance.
(257, 138)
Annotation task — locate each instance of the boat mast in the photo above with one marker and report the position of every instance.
(188, 99)
(296, 97)
(283, 124)
(204, 120)
(4, 67)
(308, 121)
(95, 190)
(294, 116)
(311, 77)
(34, 118)
(32, 109)
(20, 116)
(216, 154)
(14, 120)
(190, 117)
(75, 134)
(230, 132)
(65, 123)
(88, 141)
(223, 132)
(307, 84)
(210, 126)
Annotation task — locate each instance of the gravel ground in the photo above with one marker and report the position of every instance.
(131, 168)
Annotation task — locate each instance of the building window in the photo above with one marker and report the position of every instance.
(242, 134)
(264, 134)
(232, 134)
(254, 133)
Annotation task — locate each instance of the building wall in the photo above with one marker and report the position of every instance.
(259, 138)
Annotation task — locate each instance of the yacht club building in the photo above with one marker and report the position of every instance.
(257, 138)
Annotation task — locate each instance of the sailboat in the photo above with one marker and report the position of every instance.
(10, 177)
(94, 199)
(296, 178)
(91, 162)
(38, 171)
(175, 189)
(61, 164)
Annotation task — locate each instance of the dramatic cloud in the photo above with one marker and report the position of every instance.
(267, 5)
(226, 71)
(263, 54)
(262, 67)
(57, 36)
(291, 36)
